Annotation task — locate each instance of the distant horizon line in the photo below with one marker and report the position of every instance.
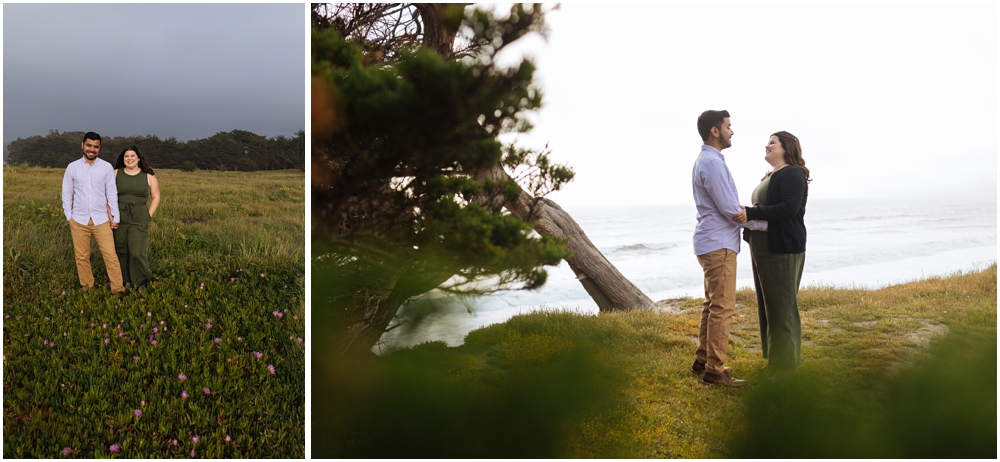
(146, 135)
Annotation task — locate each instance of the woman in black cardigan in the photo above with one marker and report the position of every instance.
(779, 253)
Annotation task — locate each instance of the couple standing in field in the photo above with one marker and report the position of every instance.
(109, 203)
(776, 233)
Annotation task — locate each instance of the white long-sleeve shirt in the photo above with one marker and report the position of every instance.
(87, 191)
(717, 200)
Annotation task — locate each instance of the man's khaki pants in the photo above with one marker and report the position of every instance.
(81, 248)
(717, 311)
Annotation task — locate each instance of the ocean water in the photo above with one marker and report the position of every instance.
(851, 243)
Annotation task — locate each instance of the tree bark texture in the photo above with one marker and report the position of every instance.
(437, 34)
(606, 285)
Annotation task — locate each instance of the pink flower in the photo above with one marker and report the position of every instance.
(135, 358)
(257, 354)
(227, 438)
(52, 344)
(107, 340)
(184, 394)
(208, 326)
(161, 323)
(270, 369)
(113, 448)
(149, 314)
(206, 390)
(202, 286)
(46, 318)
(121, 334)
(239, 339)
(194, 438)
(182, 377)
(277, 313)
(45, 342)
(66, 450)
(64, 292)
(192, 453)
(104, 326)
(153, 342)
(156, 330)
(173, 441)
(218, 340)
(142, 403)
(229, 360)
(137, 413)
(232, 279)
(261, 274)
(299, 340)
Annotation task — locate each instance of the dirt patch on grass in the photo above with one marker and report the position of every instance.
(189, 220)
(670, 305)
(927, 331)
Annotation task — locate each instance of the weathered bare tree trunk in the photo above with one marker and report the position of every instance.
(437, 34)
(605, 284)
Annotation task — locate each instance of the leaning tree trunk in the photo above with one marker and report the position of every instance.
(605, 284)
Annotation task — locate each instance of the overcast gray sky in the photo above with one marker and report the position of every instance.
(182, 70)
(890, 100)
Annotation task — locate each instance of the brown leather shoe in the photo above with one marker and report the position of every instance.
(723, 379)
(699, 367)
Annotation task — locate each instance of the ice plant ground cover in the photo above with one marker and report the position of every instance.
(169, 371)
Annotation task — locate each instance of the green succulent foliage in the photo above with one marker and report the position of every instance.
(407, 141)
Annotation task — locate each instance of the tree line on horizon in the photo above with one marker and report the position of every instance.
(235, 150)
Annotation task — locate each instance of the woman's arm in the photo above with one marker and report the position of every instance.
(791, 190)
(154, 192)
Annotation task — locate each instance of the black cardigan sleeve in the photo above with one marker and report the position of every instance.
(791, 185)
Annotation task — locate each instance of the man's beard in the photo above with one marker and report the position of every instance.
(725, 142)
(89, 157)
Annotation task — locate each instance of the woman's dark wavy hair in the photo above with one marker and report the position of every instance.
(143, 165)
(793, 152)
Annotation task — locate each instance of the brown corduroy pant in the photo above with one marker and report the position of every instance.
(81, 249)
(718, 309)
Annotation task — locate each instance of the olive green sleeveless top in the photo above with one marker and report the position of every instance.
(133, 192)
(759, 195)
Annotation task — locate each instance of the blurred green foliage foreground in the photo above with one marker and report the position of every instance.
(880, 378)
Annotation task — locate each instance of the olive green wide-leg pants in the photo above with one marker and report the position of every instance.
(776, 278)
(131, 242)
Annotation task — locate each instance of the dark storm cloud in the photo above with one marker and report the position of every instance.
(182, 70)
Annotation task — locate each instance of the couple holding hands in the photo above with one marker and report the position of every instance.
(774, 229)
(109, 203)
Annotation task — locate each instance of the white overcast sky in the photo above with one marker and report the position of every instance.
(889, 100)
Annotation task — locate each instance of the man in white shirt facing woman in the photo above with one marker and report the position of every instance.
(716, 243)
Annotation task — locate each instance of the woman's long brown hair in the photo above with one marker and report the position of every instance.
(793, 152)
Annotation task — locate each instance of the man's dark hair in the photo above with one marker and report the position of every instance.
(91, 136)
(709, 119)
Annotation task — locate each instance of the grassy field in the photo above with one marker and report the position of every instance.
(904, 371)
(208, 361)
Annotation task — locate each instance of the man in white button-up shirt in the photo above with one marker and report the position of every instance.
(90, 201)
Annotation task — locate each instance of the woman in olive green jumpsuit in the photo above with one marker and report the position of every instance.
(136, 184)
